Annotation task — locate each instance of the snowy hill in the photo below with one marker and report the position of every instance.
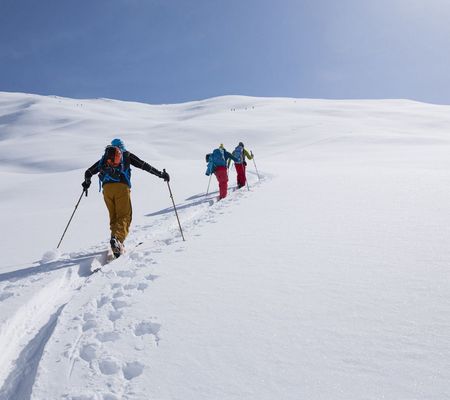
(328, 279)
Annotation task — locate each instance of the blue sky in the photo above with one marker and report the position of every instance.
(163, 51)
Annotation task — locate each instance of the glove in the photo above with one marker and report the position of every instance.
(86, 183)
(164, 175)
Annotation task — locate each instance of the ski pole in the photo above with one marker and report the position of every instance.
(245, 176)
(209, 182)
(254, 163)
(70, 220)
(175, 208)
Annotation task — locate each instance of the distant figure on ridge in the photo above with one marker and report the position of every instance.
(240, 153)
(115, 178)
(217, 164)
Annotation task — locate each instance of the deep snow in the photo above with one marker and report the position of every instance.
(328, 279)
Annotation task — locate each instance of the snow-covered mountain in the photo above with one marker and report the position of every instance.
(327, 279)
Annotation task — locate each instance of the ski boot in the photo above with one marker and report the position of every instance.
(116, 247)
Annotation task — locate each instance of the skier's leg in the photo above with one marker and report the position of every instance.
(123, 211)
(108, 196)
(222, 178)
(240, 175)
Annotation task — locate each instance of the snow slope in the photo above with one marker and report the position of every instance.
(328, 279)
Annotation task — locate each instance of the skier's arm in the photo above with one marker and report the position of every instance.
(93, 170)
(88, 174)
(229, 155)
(248, 155)
(138, 163)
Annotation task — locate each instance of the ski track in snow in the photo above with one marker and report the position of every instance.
(25, 324)
(89, 311)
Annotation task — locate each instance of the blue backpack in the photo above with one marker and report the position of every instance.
(238, 153)
(216, 159)
(112, 167)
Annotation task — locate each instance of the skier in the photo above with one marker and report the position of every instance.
(217, 164)
(241, 153)
(115, 178)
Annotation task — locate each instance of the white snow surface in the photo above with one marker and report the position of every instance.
(327, 278)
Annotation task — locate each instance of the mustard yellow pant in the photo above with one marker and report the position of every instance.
(118, 200)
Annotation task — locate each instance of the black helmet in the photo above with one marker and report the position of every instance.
(241, 144)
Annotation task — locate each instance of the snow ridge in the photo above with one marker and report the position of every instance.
(335, 272)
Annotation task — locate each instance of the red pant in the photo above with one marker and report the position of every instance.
(240, 170)
(222, 178)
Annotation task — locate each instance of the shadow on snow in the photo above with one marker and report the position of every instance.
(203, 199)
(83, 262)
